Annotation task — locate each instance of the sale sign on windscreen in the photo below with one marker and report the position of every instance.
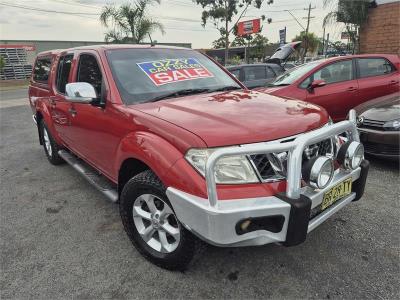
(174, 70)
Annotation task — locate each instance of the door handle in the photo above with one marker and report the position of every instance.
(393, 82)
(53, 102)
(352, 89)
(72, 111)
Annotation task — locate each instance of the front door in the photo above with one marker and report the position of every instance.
(92, 131)
(339, 94)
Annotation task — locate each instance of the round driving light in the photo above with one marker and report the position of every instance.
(318, 172)
(350, 155)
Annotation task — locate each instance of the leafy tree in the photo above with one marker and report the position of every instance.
(312, 42)
(259, 42)
(352, 13)
(225, 11)
(241, 41)
(129, 23)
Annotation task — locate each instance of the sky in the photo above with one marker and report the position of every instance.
(181, 19)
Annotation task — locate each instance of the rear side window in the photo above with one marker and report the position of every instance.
(368, 67)
(63, 69)
(41, 70)
(254, 73)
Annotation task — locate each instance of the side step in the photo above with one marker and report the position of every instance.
(97, 180)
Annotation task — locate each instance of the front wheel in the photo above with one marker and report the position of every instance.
(152, 225)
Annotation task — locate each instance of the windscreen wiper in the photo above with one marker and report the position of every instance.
(226, 88)
(179, 93)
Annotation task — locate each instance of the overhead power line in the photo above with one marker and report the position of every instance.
(76, 4)
(83, 14)
(46, 10)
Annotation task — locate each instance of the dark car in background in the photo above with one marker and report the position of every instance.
(379, 126)
(259, 75)
(256, 75)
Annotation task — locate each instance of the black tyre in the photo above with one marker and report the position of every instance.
(50, 146)
(151, 224)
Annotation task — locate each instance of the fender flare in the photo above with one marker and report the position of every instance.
(154, 151)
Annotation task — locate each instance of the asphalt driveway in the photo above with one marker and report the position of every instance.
(60, 238)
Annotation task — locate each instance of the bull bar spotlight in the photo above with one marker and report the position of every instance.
(318, 172)
(350, 155)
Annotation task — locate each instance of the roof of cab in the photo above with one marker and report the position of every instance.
(105, 47)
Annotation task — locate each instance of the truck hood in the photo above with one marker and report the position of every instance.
(237, 117)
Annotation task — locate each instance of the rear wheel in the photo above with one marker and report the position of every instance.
(152, 225)
(50, 146)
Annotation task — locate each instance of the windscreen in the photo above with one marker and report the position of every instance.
(294, 74)
(143, 75)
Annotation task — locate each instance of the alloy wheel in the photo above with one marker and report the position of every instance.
(156, 223)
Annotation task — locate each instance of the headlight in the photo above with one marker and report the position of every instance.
(350, 155)
(393, 125)
(318, 172)
(228, 170)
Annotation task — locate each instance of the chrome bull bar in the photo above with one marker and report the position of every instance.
(295, 149)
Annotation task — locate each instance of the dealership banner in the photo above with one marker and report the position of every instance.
(249, 27)
(282, 36)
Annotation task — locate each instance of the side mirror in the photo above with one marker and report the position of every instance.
(80, 92)
(315, 84)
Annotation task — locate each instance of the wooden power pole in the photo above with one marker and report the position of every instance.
(307, 28)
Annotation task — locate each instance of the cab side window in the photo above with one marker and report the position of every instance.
(89, 71)
(368, 67)
(41, 70)
(63, 69)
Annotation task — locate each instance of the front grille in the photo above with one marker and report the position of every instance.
(265, 170)
(372, 124)
(263, 166)
(381, 148)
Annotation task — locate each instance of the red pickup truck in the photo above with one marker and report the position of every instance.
(189, 153)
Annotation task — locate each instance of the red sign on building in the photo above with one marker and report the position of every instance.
(249, 27)
(18, 46)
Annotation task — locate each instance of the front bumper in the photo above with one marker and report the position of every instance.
(282, 218)
(219, 226)
(381, 143)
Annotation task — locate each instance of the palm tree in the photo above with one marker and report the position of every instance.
(352, 13)
(129, 22)
(312, 42)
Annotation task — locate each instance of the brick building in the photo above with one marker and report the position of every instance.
(381, 33)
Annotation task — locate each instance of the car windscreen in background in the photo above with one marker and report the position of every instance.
(144, 74)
